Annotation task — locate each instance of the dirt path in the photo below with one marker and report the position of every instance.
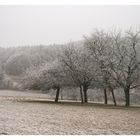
(26, 117)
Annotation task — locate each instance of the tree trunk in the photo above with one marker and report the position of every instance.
(85, 93)
(113, 96)
(105, 96)
(57, 94)
(127, 96)
(81, 93)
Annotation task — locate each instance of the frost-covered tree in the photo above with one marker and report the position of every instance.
(125, 62)
(99, 46)
(77, 64)
(46, 77)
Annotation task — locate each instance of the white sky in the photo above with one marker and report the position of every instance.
(34, 25)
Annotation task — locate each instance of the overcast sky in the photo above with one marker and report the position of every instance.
(34, 25)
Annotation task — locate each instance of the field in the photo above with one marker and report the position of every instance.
(28, 113)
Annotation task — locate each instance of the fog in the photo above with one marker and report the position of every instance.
(34, 25)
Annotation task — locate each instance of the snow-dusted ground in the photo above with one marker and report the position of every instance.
(20, 115)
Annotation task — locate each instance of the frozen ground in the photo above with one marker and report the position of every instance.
(28, 113)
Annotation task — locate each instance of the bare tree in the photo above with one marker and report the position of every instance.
(49, 76)
(76, 63)
(99, 47)
(125, 62)
(56, 79)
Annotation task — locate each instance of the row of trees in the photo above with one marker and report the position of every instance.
(118, 60)
(107, 61)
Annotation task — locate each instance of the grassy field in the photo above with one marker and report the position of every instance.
(28, 113)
